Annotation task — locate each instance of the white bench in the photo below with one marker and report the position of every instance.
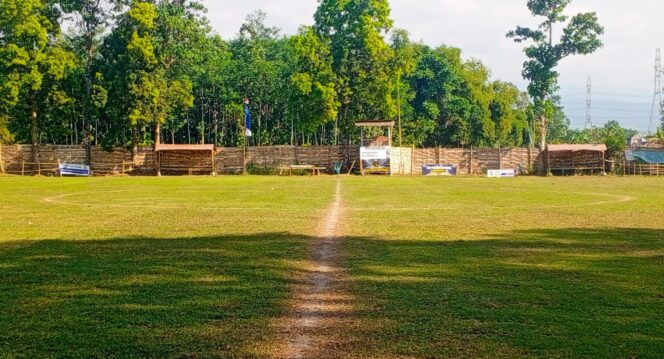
(66, 169)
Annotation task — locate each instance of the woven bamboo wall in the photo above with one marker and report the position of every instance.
(230, 159)
(475, 161)
(574, 160)
(186, 162)
(472, 161)
(18, 159)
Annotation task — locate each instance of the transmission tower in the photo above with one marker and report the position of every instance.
(657, 100)
(589, 103)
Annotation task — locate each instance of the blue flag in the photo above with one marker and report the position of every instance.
(247, 120)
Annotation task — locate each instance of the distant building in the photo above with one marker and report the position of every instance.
(637, 141)
(641, 141)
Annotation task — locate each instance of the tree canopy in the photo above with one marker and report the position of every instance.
(134, 72)
(580, 35)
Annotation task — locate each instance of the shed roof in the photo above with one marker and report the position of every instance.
(162, 147)
(374, 123)
(576, 148)
(652, 156)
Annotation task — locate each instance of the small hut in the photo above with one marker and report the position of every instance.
(574, 159)
(185, 159)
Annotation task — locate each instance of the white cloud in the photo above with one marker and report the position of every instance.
(461, 6)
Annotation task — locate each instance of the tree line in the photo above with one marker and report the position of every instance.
(128, 73)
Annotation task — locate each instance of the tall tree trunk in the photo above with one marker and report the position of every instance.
(157, 134)
(543, 132)
(134, 144)
(157, 142)
(202, 128)
(188, 130)
(87, 117)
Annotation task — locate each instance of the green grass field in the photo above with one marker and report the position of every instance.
(438, 267)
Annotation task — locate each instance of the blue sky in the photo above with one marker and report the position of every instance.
(622, 71)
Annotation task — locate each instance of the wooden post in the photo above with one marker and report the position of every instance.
(157, 142)
(389, 135)
(412, 160)
(500, 159)
(470, 161)
(2, 163)
(530, 157)
(361, 164)
(214, 162)
(360, 155)
(190, 164)
(603, 163)
(158, 163)
(244, 149)
(401, 166)
(23, 168)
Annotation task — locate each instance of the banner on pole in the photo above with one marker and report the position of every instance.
(247, 120)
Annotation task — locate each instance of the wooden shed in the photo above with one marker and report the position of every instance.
(185, 159)
(573, 159)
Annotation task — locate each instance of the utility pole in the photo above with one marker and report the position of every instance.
(589, 103)
(657, 100)
(401, 166)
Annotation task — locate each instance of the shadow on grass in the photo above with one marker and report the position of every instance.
(549, 293)
(545, 293)
(143, 297)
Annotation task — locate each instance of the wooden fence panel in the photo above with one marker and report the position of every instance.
(469, 161)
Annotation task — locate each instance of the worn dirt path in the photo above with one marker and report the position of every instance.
(321, 307)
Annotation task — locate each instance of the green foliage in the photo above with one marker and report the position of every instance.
(314, 98)
(581, 35)
(361, 58)
(612, 134)
(452, 102)
(154, 84)
(616, 138)
(126, 70)
(5, 135)
(33, 64)
(659, 136)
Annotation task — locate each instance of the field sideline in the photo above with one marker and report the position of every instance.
(428, 267)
